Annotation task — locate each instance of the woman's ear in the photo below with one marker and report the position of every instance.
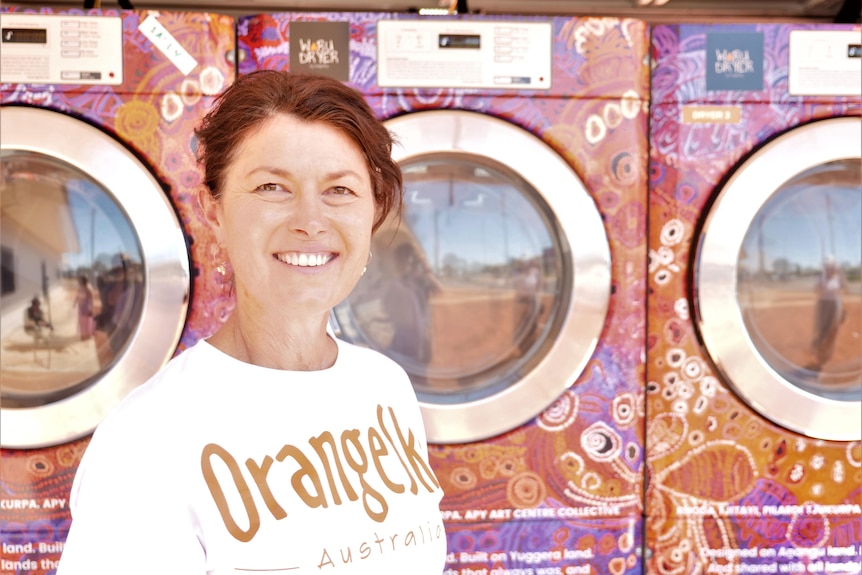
(211, 210)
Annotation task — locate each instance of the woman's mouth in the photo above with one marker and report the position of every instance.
(305, 260)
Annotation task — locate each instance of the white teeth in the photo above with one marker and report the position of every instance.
(304, 260)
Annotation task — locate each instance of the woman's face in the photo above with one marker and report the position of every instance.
(295, 216)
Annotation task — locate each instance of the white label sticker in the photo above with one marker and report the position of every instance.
(167, 44)
(464, 54)
(825, 63)
(61, 49)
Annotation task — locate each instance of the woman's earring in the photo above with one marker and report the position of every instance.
(225, 276)
(370, 256)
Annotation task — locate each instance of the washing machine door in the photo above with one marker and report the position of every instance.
(95, 276)
(778, 280)
(492, 288)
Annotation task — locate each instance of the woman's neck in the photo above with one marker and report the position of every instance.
(292, 345)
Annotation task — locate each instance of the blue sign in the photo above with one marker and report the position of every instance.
(734, 61)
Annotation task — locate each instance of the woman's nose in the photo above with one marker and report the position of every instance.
(307, 214)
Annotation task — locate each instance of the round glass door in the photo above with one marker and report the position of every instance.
(492, 287)
(95, 276)
(779, 280)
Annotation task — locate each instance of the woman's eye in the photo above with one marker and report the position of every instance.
(269, 188)
(342, 191)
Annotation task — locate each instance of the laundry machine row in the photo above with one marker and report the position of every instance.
(512, 289)
(520, 263)
(96, 189)
(754, 346)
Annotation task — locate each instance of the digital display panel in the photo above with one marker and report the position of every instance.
(25, 36)
(472, 41)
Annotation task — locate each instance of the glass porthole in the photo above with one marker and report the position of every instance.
(95, 276)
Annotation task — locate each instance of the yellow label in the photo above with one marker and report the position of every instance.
(711, 114)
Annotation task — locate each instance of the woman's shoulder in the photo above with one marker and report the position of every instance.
(152, 427)
(171, 389)
(377, 370)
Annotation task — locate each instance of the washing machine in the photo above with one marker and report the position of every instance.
(754, 355)
(512, 288)
(102, 250)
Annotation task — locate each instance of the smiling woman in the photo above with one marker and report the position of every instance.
(288, 200)
(277, 447)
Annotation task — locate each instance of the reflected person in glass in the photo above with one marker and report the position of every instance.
(408, 294)
(85, 301)
(829, 311)
(36, 317)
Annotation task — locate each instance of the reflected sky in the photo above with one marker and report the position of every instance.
(98, 220)
(100, 226)
(480, 219)
(815, 215)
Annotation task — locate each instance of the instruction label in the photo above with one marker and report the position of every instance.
(464, 54)
(825, 63)
(61, 49)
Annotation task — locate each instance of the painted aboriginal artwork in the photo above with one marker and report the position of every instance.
(153, 112)
(731, 491)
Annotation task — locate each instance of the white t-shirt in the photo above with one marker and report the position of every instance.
(221, 467)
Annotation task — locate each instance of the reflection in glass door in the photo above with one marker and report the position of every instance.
(465, 287)
(72, 280)
(800, 287)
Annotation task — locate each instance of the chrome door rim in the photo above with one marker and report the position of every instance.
(165, 263)
(720, 320)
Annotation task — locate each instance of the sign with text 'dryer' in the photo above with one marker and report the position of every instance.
(734, 61)
(321, 48)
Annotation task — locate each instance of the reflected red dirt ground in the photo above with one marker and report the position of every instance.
(786, 323)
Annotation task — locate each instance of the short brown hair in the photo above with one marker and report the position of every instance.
(260, 95)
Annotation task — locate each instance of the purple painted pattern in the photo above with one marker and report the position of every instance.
(706, 450)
